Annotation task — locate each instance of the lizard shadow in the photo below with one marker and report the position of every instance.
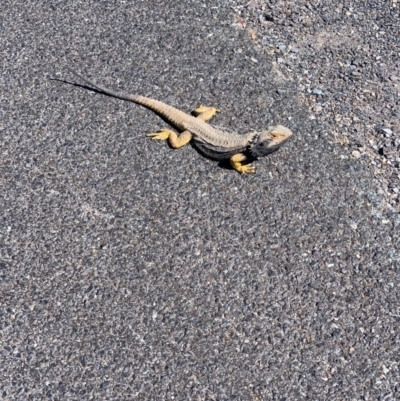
(224, 164)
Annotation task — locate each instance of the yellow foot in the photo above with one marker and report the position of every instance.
(237, 163)
(246, 169)
(162, 135)
(205, 113)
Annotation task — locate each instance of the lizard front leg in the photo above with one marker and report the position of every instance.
(177, 141)
(237, 163)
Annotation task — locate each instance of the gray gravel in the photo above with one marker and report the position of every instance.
(344, 57)
(132, 271)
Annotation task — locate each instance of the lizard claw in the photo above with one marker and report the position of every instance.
(202, 109)
(162, 135)
(205, 113)
(247, 169)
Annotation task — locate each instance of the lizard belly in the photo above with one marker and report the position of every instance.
(216, 152)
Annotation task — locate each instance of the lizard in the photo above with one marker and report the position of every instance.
(213, 142)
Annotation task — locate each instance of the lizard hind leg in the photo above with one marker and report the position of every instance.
(175, 140)
(205, 113)
(237, 163)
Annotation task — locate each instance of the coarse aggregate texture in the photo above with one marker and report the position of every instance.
(344, 57)
(133, 271)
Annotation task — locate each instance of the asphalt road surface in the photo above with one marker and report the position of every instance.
(131, 271)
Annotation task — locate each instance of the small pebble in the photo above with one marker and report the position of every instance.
(282, 48)
(294, 50)
(252, 4)
(387, 131)
(317, 91)
(356, 154)
(353, 226)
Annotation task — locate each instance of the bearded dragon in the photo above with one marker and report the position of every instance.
(214, 142)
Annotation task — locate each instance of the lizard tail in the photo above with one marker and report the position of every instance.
(174, 116)
(119, 95)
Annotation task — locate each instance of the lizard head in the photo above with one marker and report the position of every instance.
(269, 141)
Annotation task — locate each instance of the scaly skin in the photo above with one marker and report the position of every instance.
(203, 113)
(213, 142)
